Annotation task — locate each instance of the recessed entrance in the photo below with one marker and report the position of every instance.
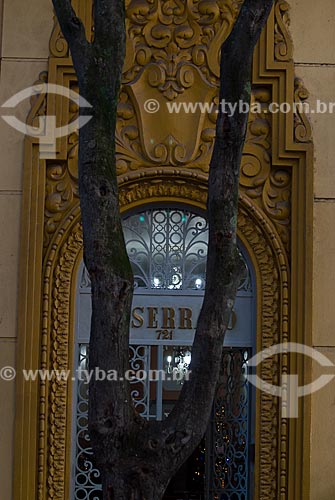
(167, 248)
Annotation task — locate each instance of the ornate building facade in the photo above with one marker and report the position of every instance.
(287, 192)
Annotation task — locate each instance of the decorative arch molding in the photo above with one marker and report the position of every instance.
(275, 215)
(58, 333)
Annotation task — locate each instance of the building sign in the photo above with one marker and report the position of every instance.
(170, 317)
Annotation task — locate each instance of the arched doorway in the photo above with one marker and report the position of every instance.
(167, 247)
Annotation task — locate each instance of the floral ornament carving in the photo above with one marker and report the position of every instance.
(58, 45)
(57, 334)
(62, 178)
(302, 127)
(170, 188)
(145, 141)
(276, 198)
(283, 42)
(180, 37)
(268, 446)
(172, 55)
(61, 195)
(268, 186)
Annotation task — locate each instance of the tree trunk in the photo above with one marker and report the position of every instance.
(129, 485)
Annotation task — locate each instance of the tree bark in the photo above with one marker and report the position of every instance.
(138, 458)
(128, 485)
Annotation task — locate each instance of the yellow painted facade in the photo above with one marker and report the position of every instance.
(26, 32)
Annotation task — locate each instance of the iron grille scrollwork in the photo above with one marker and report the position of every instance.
(167, 249)
(87, 478)
(228, 440)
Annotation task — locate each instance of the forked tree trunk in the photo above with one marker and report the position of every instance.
(138, 458)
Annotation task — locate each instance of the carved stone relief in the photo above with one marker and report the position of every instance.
(172, 56)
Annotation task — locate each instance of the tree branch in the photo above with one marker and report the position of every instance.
(111, 411)
(253, 17)
(109, 16)
(188, 421)
(72, 29)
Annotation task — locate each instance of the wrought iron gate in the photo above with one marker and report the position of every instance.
(168, 249)
(228, 436)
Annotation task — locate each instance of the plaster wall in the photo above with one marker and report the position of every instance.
(25, 29)
(313, 32)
